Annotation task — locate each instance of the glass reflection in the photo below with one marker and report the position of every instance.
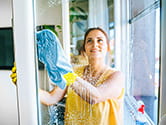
(138, 7)
(49, 16)
(144, 65)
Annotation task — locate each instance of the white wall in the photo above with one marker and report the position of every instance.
(8, 99)
(5, 13)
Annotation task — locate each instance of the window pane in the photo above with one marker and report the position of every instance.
(139, 5)
(111, 31)
(144, 62)
(80, 20)
(49, 16)
(78, 25)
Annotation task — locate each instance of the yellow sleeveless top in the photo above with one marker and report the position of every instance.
(80, 112)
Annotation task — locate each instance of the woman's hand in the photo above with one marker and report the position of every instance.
(13, 75)
(52, 55)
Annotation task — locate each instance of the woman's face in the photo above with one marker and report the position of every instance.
(96, 45)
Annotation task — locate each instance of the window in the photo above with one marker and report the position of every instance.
(83, 14)
(144, 54)
(79, 14)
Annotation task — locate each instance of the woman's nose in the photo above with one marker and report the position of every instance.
(95, 44)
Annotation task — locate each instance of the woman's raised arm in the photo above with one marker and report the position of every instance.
(52, 97)
(112, 87)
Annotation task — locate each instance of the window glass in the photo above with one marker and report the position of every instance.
(138, 6)
(144, 62)
(111, 31)
(49, 16)
(78, 25)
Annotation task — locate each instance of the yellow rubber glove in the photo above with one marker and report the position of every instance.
(14, 74)
(70, 78)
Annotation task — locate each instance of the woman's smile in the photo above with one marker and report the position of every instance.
(94, 50)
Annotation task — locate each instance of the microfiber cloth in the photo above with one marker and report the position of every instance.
(51, 54)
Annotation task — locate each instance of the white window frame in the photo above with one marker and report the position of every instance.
(25, 58)
(66, 27)
(122, 35)
(162, 109)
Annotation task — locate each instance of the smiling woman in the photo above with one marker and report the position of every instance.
(95, 93)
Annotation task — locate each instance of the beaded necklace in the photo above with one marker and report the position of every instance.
(92, 79)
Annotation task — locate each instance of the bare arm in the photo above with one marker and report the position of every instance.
(111, 88)
(52, 97)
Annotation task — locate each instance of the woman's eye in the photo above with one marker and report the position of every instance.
(89, 40)
(100, 40)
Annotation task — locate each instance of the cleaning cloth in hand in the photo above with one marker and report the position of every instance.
(51, 54)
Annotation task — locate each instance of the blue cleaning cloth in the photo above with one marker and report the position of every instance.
(51, 54)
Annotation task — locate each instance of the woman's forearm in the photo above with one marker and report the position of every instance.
(53, 97)
(45, 97)
(86, 91)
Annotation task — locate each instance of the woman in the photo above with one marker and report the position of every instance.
(96, 96)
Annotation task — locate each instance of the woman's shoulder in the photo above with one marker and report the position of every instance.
(114, 71)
